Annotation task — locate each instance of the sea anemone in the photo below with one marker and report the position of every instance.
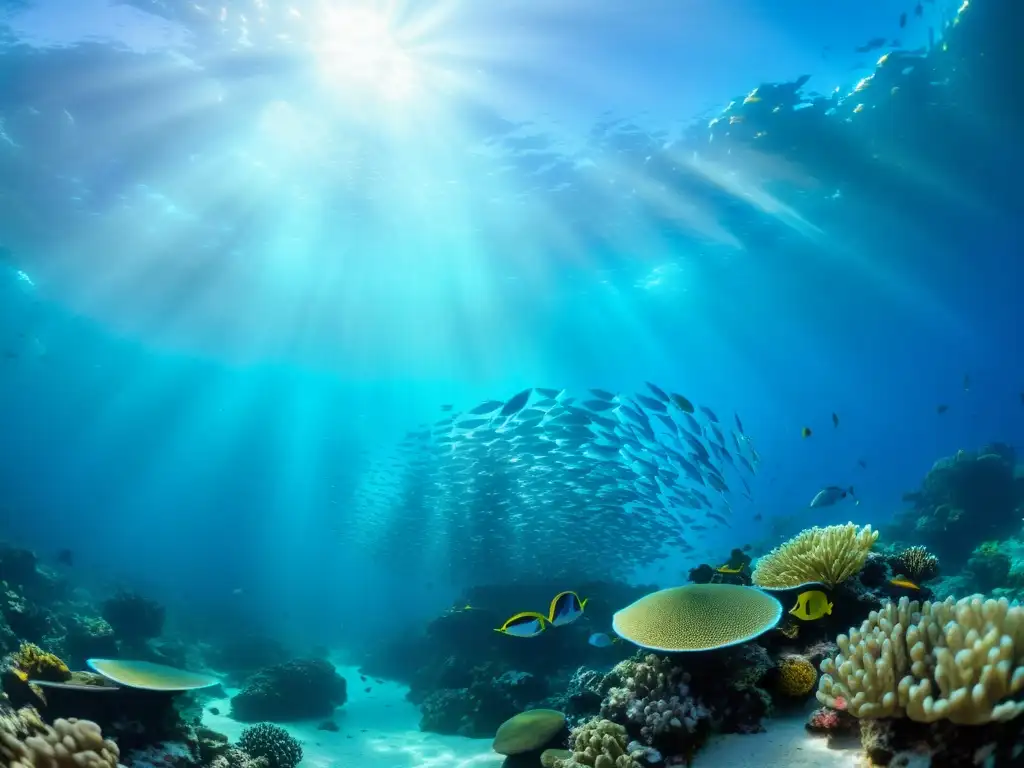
(917, 563)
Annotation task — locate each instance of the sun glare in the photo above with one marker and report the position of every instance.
(359, 47)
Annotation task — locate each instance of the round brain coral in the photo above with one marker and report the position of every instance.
(797, 676)
(697, 617)
(527, 731)
(827, 556)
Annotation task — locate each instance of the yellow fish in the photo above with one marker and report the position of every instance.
(901, 582)
(20, 674)
(525, 624)
(726, 569)
(565, 608)
(811, 605)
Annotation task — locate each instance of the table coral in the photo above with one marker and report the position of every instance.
(961, 661)
(697, 617)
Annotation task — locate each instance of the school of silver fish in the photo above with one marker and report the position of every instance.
(546, 483)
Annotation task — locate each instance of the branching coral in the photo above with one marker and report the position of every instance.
(916, 563)
(797, 676)
(817, 555)
(600, 744)
(960, 661)
(655, 696)
(36, 664)
(27, 742)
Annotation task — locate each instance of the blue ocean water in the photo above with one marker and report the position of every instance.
(249, 246)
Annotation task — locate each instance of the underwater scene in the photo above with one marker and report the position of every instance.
(465, 384)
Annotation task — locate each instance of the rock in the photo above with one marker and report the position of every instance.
(295, 690)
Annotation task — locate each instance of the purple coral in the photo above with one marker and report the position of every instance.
(654, 700)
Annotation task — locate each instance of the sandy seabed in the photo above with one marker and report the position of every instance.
(380, 729)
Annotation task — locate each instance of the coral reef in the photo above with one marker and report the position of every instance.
(828, 556)
(491, 697)
(652, 699)
(697, 617)
(272, 743)
(600, 744)
(238, 758)
(134, 618)
(240, 657)
(902, 742)
(988, 566)
(956, 660)
(27, 742)
(965, 499)
(302, 688)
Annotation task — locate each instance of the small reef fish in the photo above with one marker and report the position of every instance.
(726, 569)
(789, 629)
(601, 640)
(826, 497)
(941, 408)
(835, 420)
(682, 403)
(525, 624)
(898, 582)
(811, 605)
(565, 608)
(805, 432)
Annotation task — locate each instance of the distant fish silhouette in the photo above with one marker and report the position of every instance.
(967, 383)
(66, 557)
(835, 420)
(941, 408)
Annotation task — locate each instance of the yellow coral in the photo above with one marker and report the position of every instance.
(598, 743)
(961, 661)
(828, 556)
(797, 676)
(527, 731)
(36, 664)
(27, 742)
(697, 617)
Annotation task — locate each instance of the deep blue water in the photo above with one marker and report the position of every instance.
(248, 283)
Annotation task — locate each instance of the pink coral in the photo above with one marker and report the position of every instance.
(823, 720)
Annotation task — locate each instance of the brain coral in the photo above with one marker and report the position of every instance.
(960, 661)
(528, 731)
(817, 555)
(797, 676)
(697, 617)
